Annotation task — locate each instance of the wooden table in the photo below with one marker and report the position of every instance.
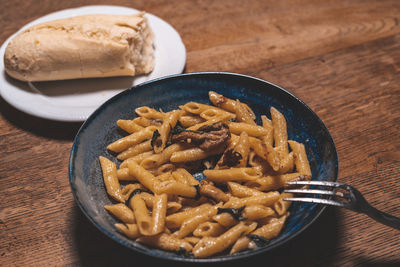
(341, 57)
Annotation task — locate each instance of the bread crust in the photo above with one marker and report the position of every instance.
(86, 46)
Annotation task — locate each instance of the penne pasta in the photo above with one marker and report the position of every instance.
(268, 139)
(110, 178)
(164, 156)
(192, 240)
(209, 190)
(191, 154)
(274, 182)
(142, 215)
(173, 188)
(241, 191)
(129, 126)
(173, 207)
(159, 213)
(211, 114)
(145, 177)
(211, 245)
(209, 229)
(138, 159)
(165, 168)
(225, 219)
(281, 206)
(135, 150)
(149, 113)
(268, 231)
(190, 224)
(130, 188)
(198, 108)
(123, 175)
(266, 199)
(261, 165)
(133, 139)
(280, 130)
(175, 220)
(286, 163)
(188, 121)
(272, 229)
(243, 149)
(233, 174)
(236, 202)
(251, 130)
(267, 152)
(185, 177)
(242, 114)
(228, 104)
(166, 242)
(301, 161)
(142, 121)
(257, 212)
(170, 120)
(122, 212)
(130, 230)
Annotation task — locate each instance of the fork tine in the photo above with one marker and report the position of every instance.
(322, 183)
(316, 200)
(314, 191)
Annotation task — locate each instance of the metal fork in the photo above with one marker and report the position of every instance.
(351, 199)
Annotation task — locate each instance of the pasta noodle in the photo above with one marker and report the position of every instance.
(149, 113)
(142, 216)
(129, 126)
(122, 212)
(281, 206)
(160, 203)
(242, 114)
(159, 213)
(267, 231)
(187, 121)
(190, 224)
(166, 241)
(233, 174)
(302, 164)
(130, 230)
(280, 132)
(135, 138)
(175, 220)
(123, 175)
(191, 154)
(208, 229)
(110, 178)
(243, 149)
(171, 118)
(251, 130)
(211, 245)
(135, 150)
(138, 159)
(228, 104)
(266, 199)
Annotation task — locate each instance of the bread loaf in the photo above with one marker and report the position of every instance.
(82, 47)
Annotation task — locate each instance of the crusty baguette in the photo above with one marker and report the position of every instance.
(82, 47)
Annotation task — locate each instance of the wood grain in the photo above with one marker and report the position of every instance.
(342, 58)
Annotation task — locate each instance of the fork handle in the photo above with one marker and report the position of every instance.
(382, 217)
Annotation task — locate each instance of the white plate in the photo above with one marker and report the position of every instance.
(75, 100)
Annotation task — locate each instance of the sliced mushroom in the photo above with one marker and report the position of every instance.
(208, 137)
